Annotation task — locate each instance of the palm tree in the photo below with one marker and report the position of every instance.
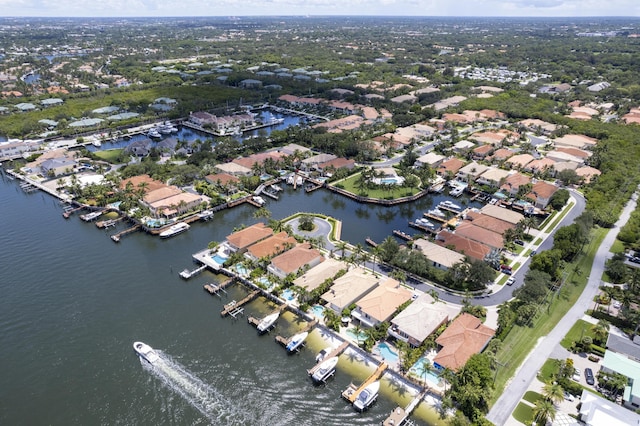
(553, 392)
(342, 246)
(544, 411)
(262, 212)
(600, 330)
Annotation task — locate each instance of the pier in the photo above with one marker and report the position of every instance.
(351, 393)
(399, 415)
(402, 235)
(186, 274)
(106, 224)
(232, 306)
(116, 237)
(371, 242)
(216, 289)
(68, 211)
(423, 228)
(337, 351)
(434, 217)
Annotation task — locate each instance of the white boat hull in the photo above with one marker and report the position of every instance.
(267, 322)
(146, 352)
(367, 396)
(326, 369)
(297, 341)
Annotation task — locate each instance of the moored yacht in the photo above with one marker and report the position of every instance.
(296, 341)
(175, 229)
(268, 321)
(424, 223)
(146, 352)
(450, 205)
(326, 369)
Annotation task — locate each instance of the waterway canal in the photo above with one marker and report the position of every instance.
(73, 302)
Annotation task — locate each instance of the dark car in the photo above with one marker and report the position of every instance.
(588, 375)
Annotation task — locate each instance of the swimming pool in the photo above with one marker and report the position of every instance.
(288, 295)
(241, 269)
(387, 353)
(266, 283)
(155, 223)
(219, 259)
(352, 333)
(318, 311)
(419, 370)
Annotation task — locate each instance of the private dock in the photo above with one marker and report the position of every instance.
(216, 289)
(434, 217)
(284, 341)
(236, 307)
(449, 209)
(116, 237)
(402, 235)
(106, 224)
(423, 228)
(371, 242)
(337, 351)
(68, 211)
(351, 393)
(399, 415)
(186, 273)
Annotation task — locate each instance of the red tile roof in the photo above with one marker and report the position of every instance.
(465, 336)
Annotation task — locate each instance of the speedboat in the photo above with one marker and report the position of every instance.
(258, 199)
(175, 229)
(326, 369)
(436, 212)
(424, 223)
(205, 214)
(154, 133)
(296, 341)
(91, 216)
(367, 396)
(450, 205)
(268, 321)
(323, 353)
(146, 352)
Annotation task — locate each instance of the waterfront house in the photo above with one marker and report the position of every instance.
(439, 256)
(463, 245)
(349, 288)
(464, 337)
(144, 182)
(381, 303)
(175, 205)
(201, 118)
(619, 363)
(450, 167)
(502, 213)
(492, 177)
(541, 193)
(597, 411)
(160, 193)
(488, 222)
(234, 169)
(335, 164)
(482, 235)
(316, 276)
(420, 319)
(140, 148)
(223, 179)
(11, 149)
(471, 172)
(512, 183)
(270, 246)
(241, 240)
(291, 261)
(54, 167)
(430, 159)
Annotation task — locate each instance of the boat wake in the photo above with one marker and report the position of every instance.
(207, 400)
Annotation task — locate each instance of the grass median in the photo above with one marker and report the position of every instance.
(521, 340)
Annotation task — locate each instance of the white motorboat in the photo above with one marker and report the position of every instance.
(205, 214)
(424, 223)
(175, 229)
(154, 133)
(268, 321)
(259, 200)
(450, 205)
(323, 353)
(296, 341)
(367, 396)
(326, 369)
(457, 191)
(91, 216)
(436, 212)
(146, 352)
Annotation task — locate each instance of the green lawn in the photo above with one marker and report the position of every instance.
(109, 155)
(523, 413)
(549, 369)
(349, 184)
(617, 247)
(563, 214)
(521, 340)
(580, 329)
(531, 396)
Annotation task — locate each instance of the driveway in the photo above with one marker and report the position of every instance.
(504, 406)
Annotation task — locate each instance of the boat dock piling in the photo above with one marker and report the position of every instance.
(269, 194)
(284, 341)
(234, 305)
(399, 415)
(352, 392)
(337, 351)
(186, 274)
(116, 237)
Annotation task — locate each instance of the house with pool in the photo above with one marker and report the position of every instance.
(293, 260)
(241, 240)
(420, 319)
(314, 277)
(464, 337)
(349, 288)
(380, 305)
(270, 246)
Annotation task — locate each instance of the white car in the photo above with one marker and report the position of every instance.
(617, 304)
(511, 280)
(577, 374)
(569, 397)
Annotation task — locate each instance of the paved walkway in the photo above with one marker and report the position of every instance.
(504, 406)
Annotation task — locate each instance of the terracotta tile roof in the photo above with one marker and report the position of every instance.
(338, 163)
(482, 235)
(260, 158)
(587, 172)
(222, 179)
(514, 181)
(463, 245)
(271, 246)
(543, 189)
(350, 287)
(465, 336)
(161, 193)
(483, 150)
(541, 164)
(254, 233)
(488, 222)
(292, 260)
(502, 154)
(451, 165)
(520, 160)
(580, 153)
(383, 301)
(152, 184)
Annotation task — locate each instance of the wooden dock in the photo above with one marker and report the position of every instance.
(449, 209)
(423, 228)
(116, 237)
(216, 289)
(68, 211)
(351, 393)
(371, 242)
(234, 306)
(399, 415)
(402, 235)
(185, 274)
(284, 341)
(337, 351)
(434, 217)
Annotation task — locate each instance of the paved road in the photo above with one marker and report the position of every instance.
(507, 402)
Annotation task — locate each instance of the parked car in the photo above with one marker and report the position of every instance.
(533, 253)
(519, 242)
(576, 374)
(569, 397)
(511, 280)
(588, 375)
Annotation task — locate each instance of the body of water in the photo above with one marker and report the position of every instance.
(73, 302)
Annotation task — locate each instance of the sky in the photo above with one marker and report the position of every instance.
(127, 8)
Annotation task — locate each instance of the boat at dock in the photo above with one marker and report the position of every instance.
(175, 229)
(436, 212)
(449, 205)
(323, 353)
(258, 200)
(154, 133)
(296, 341)
(367, 396)
(424, 223)
(327, 368)
(457, 191)
(146, 352)
(205, 214)
(91, 216)
(267, 322)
